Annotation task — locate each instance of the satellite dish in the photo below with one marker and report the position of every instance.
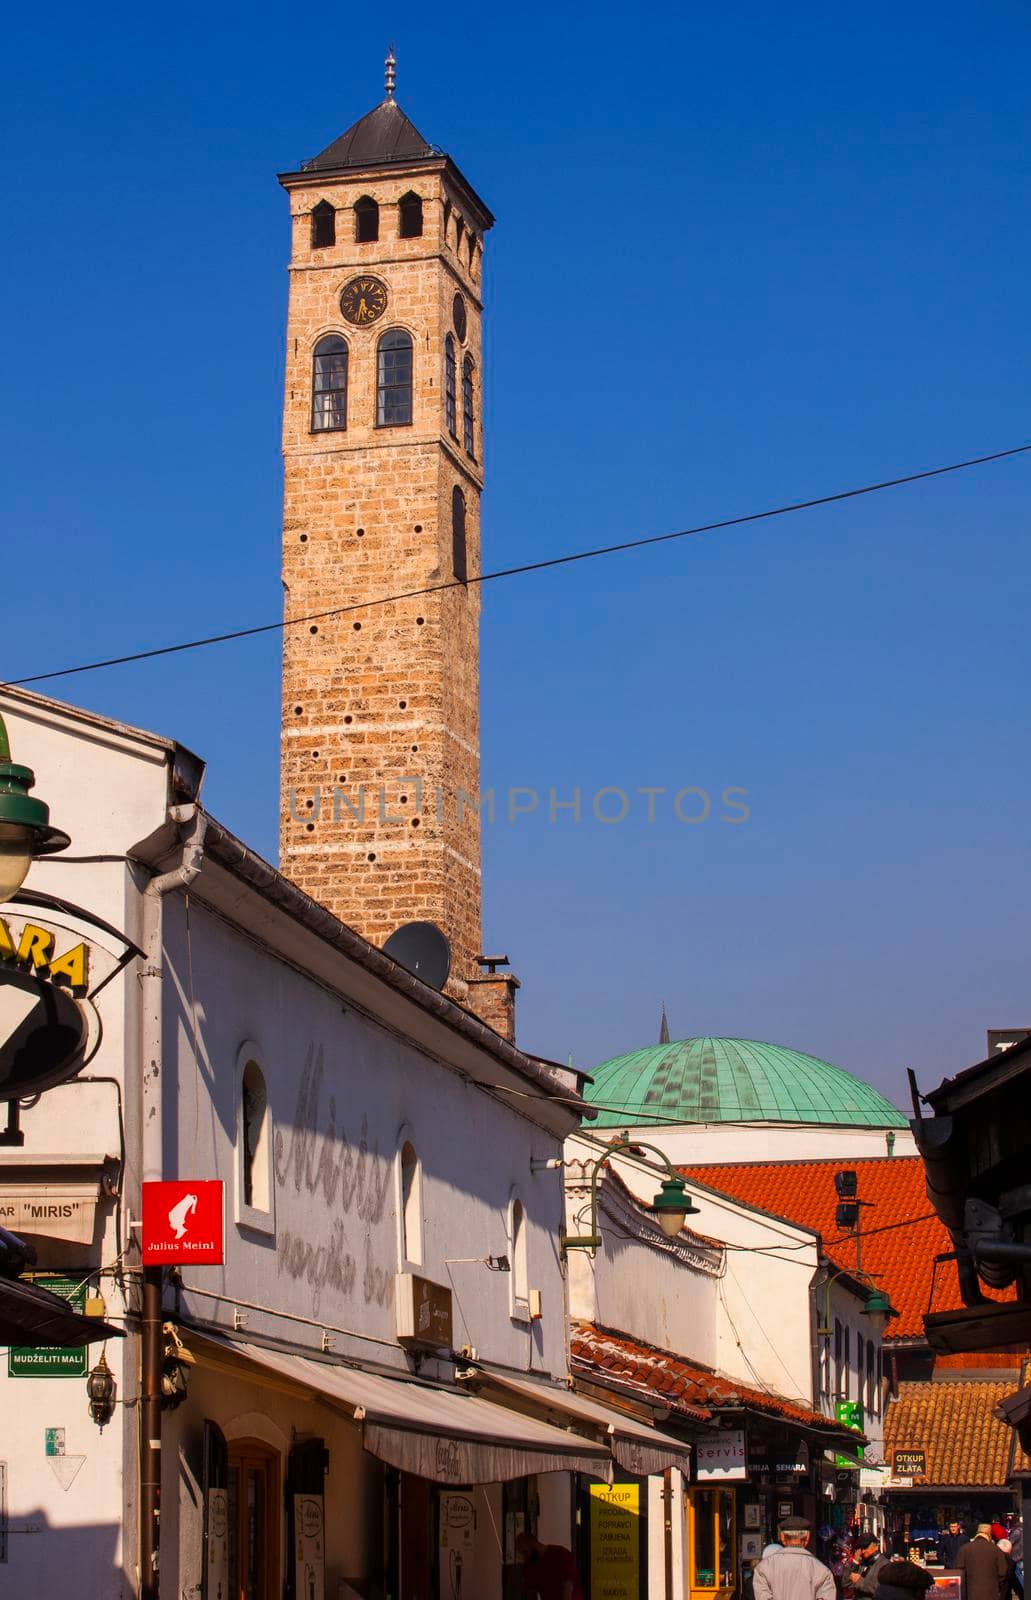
(421, 948)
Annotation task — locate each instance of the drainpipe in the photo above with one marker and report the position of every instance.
(191, 822)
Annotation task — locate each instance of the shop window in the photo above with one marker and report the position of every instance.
(329, 385)
(366, 220)
(520, 1260)
(394, 379)
(409, 1205)
(711, 1542)
(323, 225)
(409, 209)
(253, 1522)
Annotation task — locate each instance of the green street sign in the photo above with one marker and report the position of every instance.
(850, 1412)
(51, 1360)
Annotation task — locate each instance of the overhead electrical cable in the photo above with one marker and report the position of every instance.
(518, 571)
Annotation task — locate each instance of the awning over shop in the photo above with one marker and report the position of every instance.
(33, 1316)
(637, 1446)
(430, 1431)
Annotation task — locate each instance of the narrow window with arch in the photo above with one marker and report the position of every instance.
(255, 1144)
(450, 388)
(409, 209)
(323, 225)
(447, 218)
(520, 1261)
(459, 230)
(459, 553)
(410, 1204)
(468, 420)
(329, 385)
(366, 220)
(394, 379)
(472, 249)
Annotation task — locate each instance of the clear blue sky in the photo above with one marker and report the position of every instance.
(744, 255)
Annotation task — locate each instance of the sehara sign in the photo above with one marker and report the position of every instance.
(183, 1222)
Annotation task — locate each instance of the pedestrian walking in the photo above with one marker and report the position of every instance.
(1017, 1541)
(951, 1543)
(983, 1566)
(793, 1572)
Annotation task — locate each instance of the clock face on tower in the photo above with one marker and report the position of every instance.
(363, 300)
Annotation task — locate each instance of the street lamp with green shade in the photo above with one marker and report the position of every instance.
(671, 1206)
(25, 831)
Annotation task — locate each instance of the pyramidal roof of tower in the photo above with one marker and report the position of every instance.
(383, 135)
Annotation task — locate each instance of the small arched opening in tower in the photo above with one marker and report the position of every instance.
(323, 226)
(410, 216)
(366, 220)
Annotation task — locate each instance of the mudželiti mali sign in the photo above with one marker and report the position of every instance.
(47, 1360)
(909, 1463)
(183, 1222)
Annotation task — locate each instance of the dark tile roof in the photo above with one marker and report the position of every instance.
(381, 136)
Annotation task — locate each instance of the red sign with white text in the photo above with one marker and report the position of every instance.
(183, 1222)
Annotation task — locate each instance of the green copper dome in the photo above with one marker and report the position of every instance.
(732, 1080)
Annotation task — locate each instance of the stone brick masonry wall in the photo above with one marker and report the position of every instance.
(382, 699)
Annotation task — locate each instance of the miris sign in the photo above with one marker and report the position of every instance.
(49, 1028)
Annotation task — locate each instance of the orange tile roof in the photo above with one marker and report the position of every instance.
(900, 1233)
(954, 1423)
(684, 1387)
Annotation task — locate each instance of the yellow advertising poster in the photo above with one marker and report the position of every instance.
(615, 1541)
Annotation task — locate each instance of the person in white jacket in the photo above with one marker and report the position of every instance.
(793, 1572)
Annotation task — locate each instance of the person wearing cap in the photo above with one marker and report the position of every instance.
(984, 1567)
(793, 1572)
(864, 1576)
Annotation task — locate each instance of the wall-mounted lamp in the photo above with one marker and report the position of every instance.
(25, 831)
(100, 1391)
(876, 1306)
(672, 1205)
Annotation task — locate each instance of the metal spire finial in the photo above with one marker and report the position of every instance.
(664, 1026)
(391, 75)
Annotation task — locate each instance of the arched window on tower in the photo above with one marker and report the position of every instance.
(366, 220)
(450, 388)
(323, 225)
(329, 385)
(468, 427)
(409, 209)
(394, 379)
(459, 560)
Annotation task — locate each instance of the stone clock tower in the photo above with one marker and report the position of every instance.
(383, 454)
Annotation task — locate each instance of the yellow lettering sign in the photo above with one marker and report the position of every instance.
(6, 942)
(73, 966)
(36, 945)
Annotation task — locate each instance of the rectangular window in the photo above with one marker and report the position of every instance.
(395, 386)
(468, 435)
(450, 397)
